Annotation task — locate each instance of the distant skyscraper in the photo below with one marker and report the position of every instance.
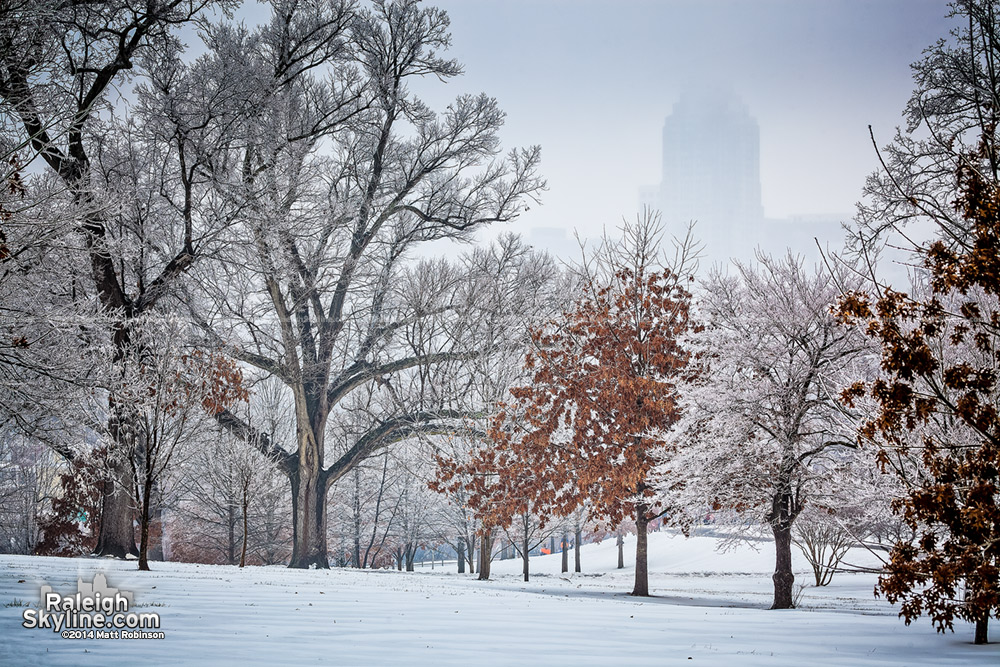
(711, 171)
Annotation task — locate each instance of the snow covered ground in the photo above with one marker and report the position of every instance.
(709, 608)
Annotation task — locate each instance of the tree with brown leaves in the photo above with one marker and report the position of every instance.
(70, 527)
(591, 424)
(935, 413)
(934, 407)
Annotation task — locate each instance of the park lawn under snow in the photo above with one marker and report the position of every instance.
(709, 608)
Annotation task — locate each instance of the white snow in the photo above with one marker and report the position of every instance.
(709, 608)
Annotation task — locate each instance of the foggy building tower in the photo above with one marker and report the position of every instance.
(711, 172)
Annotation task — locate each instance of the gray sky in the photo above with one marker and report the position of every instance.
(592, 81)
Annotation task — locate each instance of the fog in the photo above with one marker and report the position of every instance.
(592, 83)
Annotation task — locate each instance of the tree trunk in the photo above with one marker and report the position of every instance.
(461, 555)
(565, 553)
(552, 544)
(783, 577)
(246, 530)
(308, 518)
(576, 549)
(641, 588)
(411, 554)
(784, 508)
(156, 532)
(485, 549)
(116, 536)
(357, 518)
(472, 554)
(621, 551)
(524, 557)
(231, 526)
(147, 492)
(308, 479)
(982, 629)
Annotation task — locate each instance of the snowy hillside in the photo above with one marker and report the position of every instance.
(709, 608)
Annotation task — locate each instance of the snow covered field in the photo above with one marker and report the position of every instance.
(709, 609)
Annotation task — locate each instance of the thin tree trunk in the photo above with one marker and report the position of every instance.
(485, 549)
(231, 527)
(357, 518)
(641, 588)
(461, 555)
(147, 492)
(472, 554)
(565, 553)
(524, 557)
(369, 557)
(982, 629)
(576, 549)
(246, 528)
(156, 537)
(621, 551)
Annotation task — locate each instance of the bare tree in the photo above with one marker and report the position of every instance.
(824, 542)
(345, 174)
(526, 533)
(232, 505)
(455, 521)
(231, 498)
(60, 64)
(28, 476)
(762, 429)
(371, 498)
(170, 395)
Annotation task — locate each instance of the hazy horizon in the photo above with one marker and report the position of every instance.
(592, 83)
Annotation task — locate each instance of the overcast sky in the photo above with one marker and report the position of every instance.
(592, 81)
